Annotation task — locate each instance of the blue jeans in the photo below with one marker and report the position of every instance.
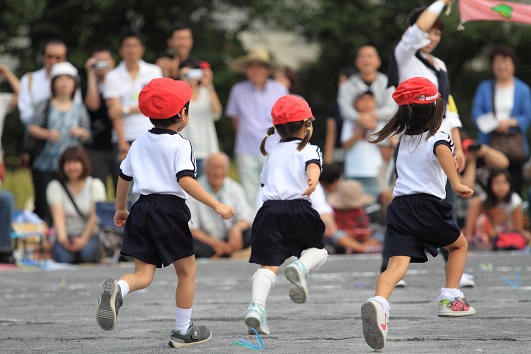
(89, 254)
(7, 209)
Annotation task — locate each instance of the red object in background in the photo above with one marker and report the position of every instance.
(204, 65)
(2, 171)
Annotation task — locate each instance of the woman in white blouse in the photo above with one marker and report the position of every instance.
(205, 109)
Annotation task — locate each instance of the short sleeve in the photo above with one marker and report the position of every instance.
(232, 110)
(516, 201)
(347, 130)
(186, 165)
(126, 172)
(111, 87)
(441, 138)
(55, 193)
(98, 191)
(312, 154)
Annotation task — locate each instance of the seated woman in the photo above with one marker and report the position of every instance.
(495, 218)
(72, 200)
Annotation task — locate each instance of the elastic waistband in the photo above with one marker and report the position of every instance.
(288, 202)
(161, 196)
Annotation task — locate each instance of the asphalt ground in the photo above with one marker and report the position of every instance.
(53, 311)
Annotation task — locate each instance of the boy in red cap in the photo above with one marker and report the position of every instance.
(418, 219)
(162, 164)
(286, 225)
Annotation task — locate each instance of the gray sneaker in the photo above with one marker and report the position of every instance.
(194, 335)
(296, 274)
(110, 302)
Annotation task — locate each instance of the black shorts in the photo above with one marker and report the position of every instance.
(285, 228)
(417, 223)
(157, 232)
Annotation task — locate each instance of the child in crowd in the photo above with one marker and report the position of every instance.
(286, 225)
(495, 218)
(417, 218)
(362, 159)
(162, 164)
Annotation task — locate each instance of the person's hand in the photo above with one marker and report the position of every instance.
(330, 228)
(461, 160)
(4, 69)
(77, 132)
(53, 135)
(123, 149)
(235, 238)
(220, 247)
(78, 243)
(503, 126)
(367, 120)
(311, 187)
(65, 242)
(89, 64)
(225, 211)
(120, 216)
(463, 190)
(169, 66)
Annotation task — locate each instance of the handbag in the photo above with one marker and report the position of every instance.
(510, 240)
(512, 144)
(33, 146)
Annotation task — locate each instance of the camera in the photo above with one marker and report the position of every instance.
(193, 74)
(100, 65)
(470, 145)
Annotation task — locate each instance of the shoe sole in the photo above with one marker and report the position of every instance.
(470, 312)
(106, 314)
(297, 293)
(371, 329)
(253, 321)
(175, 344)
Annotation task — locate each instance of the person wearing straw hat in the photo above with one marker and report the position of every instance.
(249, 105)
(353, 235)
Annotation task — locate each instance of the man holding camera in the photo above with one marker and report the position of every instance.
(100, 149)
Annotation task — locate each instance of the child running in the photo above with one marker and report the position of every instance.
(163, 167)
(417, 218)
(286, 225)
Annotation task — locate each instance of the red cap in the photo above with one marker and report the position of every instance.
(163, 98)
(290, 108)
(416, 90)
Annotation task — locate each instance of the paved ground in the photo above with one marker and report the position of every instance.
(54, 311)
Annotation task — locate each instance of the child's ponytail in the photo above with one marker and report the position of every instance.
(270, 132)
(307, 135)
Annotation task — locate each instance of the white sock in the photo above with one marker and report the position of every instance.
(263, 281)
(313, 257)
(382, 301)
(124, 287)
(182, 319)
(449, 294)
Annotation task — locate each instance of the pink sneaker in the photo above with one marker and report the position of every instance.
(457, 308)
(375, 324)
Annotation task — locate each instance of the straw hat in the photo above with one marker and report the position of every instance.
(258, 55)
(349, 194)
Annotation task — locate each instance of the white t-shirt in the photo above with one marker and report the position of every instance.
(118, 83)
(157, 160)
(504, 101)
(200, 129)
(92, 192)
(419, 170)
(362, 159)
(284, 174)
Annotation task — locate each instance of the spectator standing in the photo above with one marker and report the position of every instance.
(99, 149)
(506, 102)
(249, 105)
(205, 109)
(72, 200)
(180, 41)
(68, 124)
(288, 77)
(122, 86)
(214, 236)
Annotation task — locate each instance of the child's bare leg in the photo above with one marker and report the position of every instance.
(184, 294)
(142, 276)
(396, 270)
(456, 262)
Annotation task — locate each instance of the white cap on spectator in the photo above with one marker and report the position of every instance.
(64, 68)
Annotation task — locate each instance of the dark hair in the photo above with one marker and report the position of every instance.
(100, 48)
(286, 130)
(291, 75)
(330, 174)
(492, 200)
(347, 71)
(178, 26)
(128, 33)
(504, 51)
(189, 63)
(165, 123)
(74, 153)
(413, 119)
(52, 87)
(414, 16)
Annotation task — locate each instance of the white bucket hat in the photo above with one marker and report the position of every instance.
(64, 68)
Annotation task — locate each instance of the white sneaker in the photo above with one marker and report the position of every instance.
(467, 281)
(296, 274)
(256, 318)
(457, 308)
(375, 324)
(401, 284)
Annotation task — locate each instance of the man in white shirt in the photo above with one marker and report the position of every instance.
(122, 86)
(214, 236)
(35, 86)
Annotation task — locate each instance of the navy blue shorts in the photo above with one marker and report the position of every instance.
(285, 228)
(417, 223)
(157, 232)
